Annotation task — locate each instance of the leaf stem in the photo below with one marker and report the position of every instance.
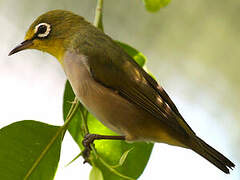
(108, 166)
(71, 113)
(98, 15)
(84, 118)
(60, 131)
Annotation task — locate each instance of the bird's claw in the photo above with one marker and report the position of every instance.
(87, 141)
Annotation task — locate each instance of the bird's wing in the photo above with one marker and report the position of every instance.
(122, 74)
(163, 94)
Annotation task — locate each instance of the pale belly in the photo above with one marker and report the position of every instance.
(117, 113)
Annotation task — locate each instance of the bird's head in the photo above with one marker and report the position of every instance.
(52, 32)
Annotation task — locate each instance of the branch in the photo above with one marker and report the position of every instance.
(98, 15)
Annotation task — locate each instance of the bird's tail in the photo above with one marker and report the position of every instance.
(212, 155)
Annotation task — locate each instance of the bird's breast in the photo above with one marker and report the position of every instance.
(106, 104)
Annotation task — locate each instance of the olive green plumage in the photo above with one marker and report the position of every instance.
(112, 85)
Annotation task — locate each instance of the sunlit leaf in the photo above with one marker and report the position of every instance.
(155, 5)
(136, 55)
(111, 151)
(96, 174)
(22, 146)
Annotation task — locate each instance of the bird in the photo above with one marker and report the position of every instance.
(112, 86)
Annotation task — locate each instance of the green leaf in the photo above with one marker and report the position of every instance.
(22, 147)
(109, 152)
(95, 174)
(136, 55)
(155, 5)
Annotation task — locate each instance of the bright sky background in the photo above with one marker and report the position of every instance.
(32, 85)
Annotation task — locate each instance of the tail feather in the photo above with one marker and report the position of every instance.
(212, 155)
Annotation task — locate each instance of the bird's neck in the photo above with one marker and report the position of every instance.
(58, 49)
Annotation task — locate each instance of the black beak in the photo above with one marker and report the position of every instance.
(24, 45)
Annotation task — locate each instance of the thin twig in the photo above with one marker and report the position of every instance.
(98, 15)
(60, 131)
(84, 119)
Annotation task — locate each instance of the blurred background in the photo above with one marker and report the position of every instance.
(192, 49)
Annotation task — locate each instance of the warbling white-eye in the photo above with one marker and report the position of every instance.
(112, 86)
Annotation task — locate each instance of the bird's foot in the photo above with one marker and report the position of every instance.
(87, 141)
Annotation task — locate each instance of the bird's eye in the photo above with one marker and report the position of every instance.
(42, 30)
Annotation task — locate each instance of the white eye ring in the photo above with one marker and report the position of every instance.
(45, 34)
